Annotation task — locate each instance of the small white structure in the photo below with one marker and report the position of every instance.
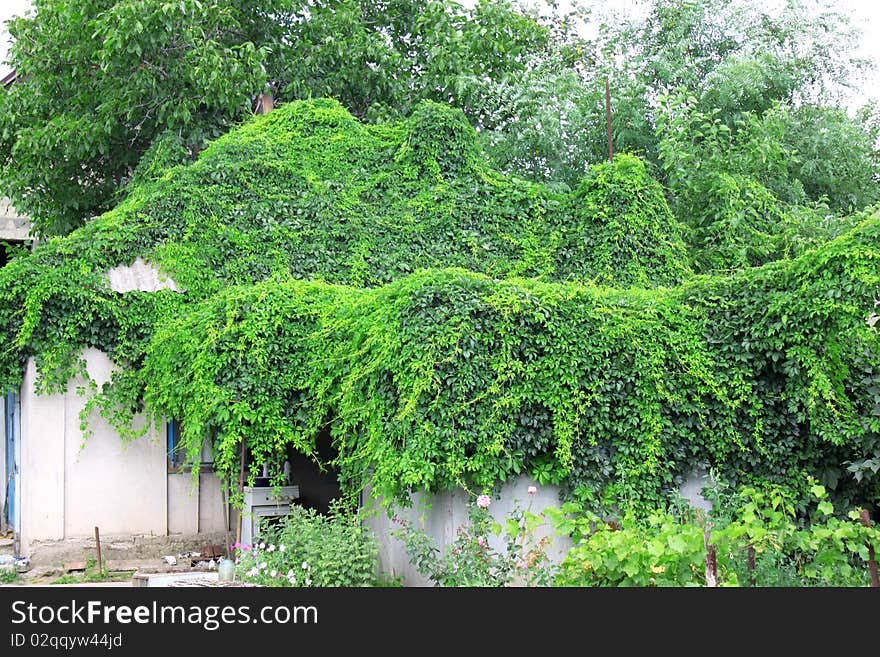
(14, 226)
(60, 485)
(70, 484)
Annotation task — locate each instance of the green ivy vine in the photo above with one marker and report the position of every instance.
(449, 325)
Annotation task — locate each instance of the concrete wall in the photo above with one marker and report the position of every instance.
(139, 275)
(195, 508)
(448, 511)
(13, 225)
(70, 484)
(113, 485)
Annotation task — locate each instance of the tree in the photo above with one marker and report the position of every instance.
(837, 157)
(99, 80)
(681, 43)
(548, 124)
(734, 60)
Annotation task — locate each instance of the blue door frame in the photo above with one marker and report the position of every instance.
(12, 421)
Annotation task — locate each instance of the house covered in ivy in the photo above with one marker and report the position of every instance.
(372, 312)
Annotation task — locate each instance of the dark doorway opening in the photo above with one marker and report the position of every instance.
(9, 249)
(317, 487)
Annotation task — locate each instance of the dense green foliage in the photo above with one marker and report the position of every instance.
(731, 187)
(448, 324)
(98, 81)
(776, 75)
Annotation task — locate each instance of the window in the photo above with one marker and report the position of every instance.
(176, 453)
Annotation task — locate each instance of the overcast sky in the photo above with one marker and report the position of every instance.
(866, 15)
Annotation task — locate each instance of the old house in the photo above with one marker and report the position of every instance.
(343, 307)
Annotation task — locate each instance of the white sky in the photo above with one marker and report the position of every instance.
(9, 8)
(866, 14)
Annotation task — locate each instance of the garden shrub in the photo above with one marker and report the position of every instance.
(483, 552)
(309, 549)
(668, 548)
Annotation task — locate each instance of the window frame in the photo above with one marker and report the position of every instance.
(175, 457)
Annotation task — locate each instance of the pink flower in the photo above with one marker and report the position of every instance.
(481, 541)
(532, 490)
(483, 501)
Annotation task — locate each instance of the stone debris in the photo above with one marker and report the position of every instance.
(20, 563)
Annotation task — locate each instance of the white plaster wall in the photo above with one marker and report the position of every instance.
(195, 507)
(42, 463)
(212, 517)
(448, 511)
(118, 487)
(183, 504)
(71, 485)
(139, 275)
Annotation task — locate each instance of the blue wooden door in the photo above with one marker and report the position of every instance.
(13, 456)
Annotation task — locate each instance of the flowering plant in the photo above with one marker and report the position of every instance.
(310, 549)
(472, 560)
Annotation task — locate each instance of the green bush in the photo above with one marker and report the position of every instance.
(472, 559)
(668, 547)
(307, 549)
(8, 576)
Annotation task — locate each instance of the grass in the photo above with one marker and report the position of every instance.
(8, 576)
(87, 577)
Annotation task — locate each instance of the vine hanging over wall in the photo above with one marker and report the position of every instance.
(450, 325)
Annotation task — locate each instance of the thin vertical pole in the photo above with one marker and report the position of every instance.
(711, 562)
(752, 579)
(98, 548)
(240, 488)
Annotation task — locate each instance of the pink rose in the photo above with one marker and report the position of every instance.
(483, 501)
(532, 490)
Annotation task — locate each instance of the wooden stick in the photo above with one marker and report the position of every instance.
(711, 563)
(865, 518)
(752, 579)
(98, 547)
(240, 490)
(608, 120)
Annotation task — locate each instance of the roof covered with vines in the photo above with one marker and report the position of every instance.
(447, 324)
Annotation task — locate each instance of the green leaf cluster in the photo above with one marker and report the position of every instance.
(668, 548)
(308, 549)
